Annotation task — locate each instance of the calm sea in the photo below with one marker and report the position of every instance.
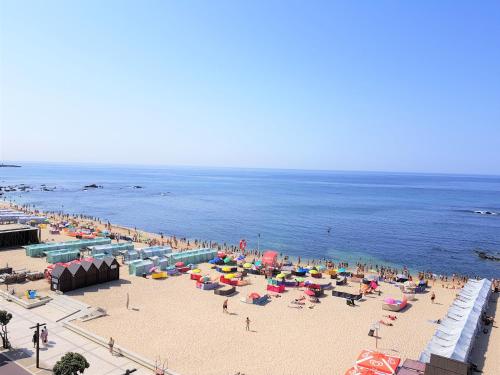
(426, 222)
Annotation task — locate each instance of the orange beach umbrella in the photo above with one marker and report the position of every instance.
(377, 361)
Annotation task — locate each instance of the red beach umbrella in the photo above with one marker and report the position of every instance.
(383, 363)
(309, 292)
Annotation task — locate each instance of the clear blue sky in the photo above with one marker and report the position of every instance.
(351, 85)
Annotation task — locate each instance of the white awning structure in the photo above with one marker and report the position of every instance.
(8, 215)
(455, 334)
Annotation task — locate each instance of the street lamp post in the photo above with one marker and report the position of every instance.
(38, 325)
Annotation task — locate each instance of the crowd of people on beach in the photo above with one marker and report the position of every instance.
(384, 272)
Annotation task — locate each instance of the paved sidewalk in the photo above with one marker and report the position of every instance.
(61, 341)
(8, 367)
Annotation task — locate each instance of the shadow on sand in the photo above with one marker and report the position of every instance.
(98, 287)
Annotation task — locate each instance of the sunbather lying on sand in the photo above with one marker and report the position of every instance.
(392, 317)
(385, 323)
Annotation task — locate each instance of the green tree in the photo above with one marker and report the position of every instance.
(71, 364)
(5, 318)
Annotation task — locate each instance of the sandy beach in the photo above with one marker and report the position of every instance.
(175, 322)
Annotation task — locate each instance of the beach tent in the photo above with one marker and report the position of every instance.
(103, 270)
(376, 361)
(77, 275)
(269, 258)
(114, 268)
(61, 279)
(91, 272)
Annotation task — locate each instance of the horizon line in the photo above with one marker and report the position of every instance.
(128, 164)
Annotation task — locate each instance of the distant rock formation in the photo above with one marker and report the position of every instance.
(93, 186)
(484, 255)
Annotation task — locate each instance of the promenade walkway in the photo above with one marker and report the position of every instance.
(61, 340)
(9, 367)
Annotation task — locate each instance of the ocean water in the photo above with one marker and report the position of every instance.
(426, 222)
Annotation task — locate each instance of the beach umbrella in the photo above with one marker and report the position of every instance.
(247, 265)
(390, 300)
(228, 260)
(373, 285)
(309, 292)
(299, 279)
(342, 270)
(361, 371)
(226, 269)
(258, 263)
(254, 295)
(320, 267)
(313, 272)
(221, 254)
(230, 276)
(196, 270)
(179, 264)
(280, 276)
(204, 279)
(383, 363)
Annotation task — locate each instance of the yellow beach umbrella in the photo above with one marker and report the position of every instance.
(313, 272)
(196, 270)
(226, 269)
(247, 265)
(230, 276)
(281, 276)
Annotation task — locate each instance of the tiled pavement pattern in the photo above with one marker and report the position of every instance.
(61, 341)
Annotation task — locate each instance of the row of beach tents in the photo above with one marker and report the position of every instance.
(455, 333)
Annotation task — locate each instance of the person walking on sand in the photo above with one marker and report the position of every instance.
(224, 307)
(128, 300)
(433, 297)
(111, 343)
(247, 323)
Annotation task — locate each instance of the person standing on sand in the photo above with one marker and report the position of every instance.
(128, 300)
(224, 306)
(247, 323)
(433, 297)
(111, 343)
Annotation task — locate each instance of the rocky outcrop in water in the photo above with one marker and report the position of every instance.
(484, 255)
